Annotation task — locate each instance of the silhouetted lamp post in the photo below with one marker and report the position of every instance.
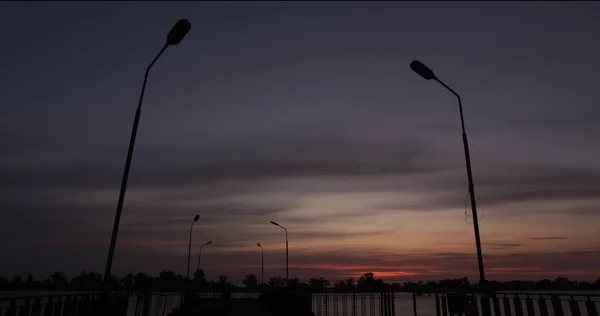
(262, 263)
(287, 270)
(177, 33)
(190, 245)
(200, 252)
(428, 74)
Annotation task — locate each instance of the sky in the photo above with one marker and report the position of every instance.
(306, 114)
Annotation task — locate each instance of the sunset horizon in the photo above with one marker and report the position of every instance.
(306, 114)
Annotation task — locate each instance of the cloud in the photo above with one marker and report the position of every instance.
(240, 160)
(548, 238)
(498, 185)
(495, 245)
(335, 265)
(238, 187)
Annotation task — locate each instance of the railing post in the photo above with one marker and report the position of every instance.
(529, 305)
(497, 310)
(393, 304)
(371, 304)
(57, 306)
(557, 306)
(49, 305)
(486, 309)
(335, 304)
(590, 306)
(83, 307)
(390, 304)
(444, 305)
(414, 299)
(24, 310)
(518, 305)
(574, 305)
(12, 308)
(138, 305)
(506, 303)
(363, 304)
(326, 305)
(543, 306)
(146, 304)
(36, 309)
(473, 306)
(438, 311)
(68, 309)
(353, 303)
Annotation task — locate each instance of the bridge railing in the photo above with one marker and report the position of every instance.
(291, 302)
(88, 304)
(513, 304)
(354, 304)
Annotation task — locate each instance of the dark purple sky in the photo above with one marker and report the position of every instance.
(306, 114)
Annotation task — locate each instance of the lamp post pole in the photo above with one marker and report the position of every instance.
(177, 33)
(187, 274)
(200, 253)
(262, 263)
(287, 267)
(428, 74)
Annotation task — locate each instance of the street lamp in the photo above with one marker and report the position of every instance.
(262, 263)
(428, 74)
(200, 252)
(177, 33)
(287, 268)
(190, 245)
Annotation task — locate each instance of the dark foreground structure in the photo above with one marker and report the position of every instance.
(513, 304)
(272, 302)
(282, 302)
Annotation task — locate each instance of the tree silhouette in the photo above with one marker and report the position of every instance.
(128, 281)
(16, 281)
(87, 280)
(250, 282)
(224, 283)
(277, 282)
(170, 281)
(294, 283)
(319, 284)
(58, 279)
(199, 278)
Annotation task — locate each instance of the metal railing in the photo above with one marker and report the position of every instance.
(87, 304)
(154, 304)
(290, 302)
(513, 304)
(354, 304)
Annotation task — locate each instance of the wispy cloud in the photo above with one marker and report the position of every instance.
(495, 245)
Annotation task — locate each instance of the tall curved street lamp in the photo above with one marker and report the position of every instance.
(428, 74)
(190, 245)
(262, 263)
(287, 268)
(177, 33)
(200, 252)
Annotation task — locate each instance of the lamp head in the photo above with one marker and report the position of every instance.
(272, 222)
(178, 31)
(208, 243)
(422, 70)
(258, 244)
(196, 217)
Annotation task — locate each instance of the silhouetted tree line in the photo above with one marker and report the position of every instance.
(170, 281)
